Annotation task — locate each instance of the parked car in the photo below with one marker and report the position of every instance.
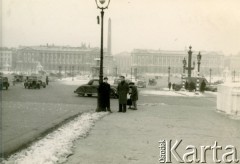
(141, 84)
(4, 83)
(18, 78)
(212, 88)
(91, 88)
(34, 82)
(152, 82)
(177, 87)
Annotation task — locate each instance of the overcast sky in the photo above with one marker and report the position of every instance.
(146, 24)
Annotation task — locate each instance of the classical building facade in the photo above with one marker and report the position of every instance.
(53, 58)
(6, 59)
(123, 63)
(61, 59)
(158, 61)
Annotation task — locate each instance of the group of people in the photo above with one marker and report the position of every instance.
(123, 90)
(170, 85)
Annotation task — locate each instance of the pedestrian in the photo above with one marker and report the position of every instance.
(122, 90)
(169, 85)
(47, 80)
(104, 91)
(134, 95)
(186, 85)
(203, 86)
(173, 86)
(129, 101)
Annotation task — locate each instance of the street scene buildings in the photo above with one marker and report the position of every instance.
(120, 82)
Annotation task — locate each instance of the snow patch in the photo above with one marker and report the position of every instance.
(57, 146)
(162, 93)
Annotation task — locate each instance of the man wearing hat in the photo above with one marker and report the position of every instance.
(105, 91)
(122, 91)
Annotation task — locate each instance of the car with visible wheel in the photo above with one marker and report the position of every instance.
(4, 83)
(34, 82)
(91, 88)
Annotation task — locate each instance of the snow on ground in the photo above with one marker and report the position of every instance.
(166, 92)
(158, 92)
(189, 94)
(73, 81)
(57, 146)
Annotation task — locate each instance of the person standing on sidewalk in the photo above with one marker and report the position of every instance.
(134, 95)
(47, 80)
(122, 91)
(105, 90)
(169, 85)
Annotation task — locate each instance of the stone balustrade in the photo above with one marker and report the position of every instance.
(228, 98)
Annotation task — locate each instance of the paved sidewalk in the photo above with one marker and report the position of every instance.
(132, 137)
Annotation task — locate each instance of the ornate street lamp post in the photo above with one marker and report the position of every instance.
(101, 4)
(183, 75)
(190, 68)
(199, 57)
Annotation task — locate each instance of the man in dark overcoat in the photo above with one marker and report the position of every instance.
(105, 91)
(47, 80)
(134, 95)
(122, 91)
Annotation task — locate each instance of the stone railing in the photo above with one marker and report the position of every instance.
(228, 98)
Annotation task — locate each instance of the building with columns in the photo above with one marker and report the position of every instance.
(157, 61)
(6, 59)
(123, 63)
(53, 58)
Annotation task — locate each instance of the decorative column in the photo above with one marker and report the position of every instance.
(183, 74)
(199, 56)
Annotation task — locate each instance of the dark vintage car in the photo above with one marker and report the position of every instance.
(4, 83)
(212, 88)
(91, 88)
(141, 84)
(34, 82)
(152, 82)
(18, 78)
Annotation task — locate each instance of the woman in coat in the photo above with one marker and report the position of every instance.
(134, 95)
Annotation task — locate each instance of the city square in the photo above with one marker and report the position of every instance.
(56, 106)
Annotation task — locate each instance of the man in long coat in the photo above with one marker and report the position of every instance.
(105, 91)
(122, 91)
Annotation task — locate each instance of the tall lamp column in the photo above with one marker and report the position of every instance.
(101, 4)
(199, 56)
(183, 75)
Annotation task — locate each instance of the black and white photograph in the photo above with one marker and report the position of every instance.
(119, 81)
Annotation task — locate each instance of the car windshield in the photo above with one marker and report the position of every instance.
(93, 82)
(32, 78)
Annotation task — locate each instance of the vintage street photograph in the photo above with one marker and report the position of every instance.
(119, 81)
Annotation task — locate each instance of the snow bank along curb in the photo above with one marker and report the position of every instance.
(57, 146)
